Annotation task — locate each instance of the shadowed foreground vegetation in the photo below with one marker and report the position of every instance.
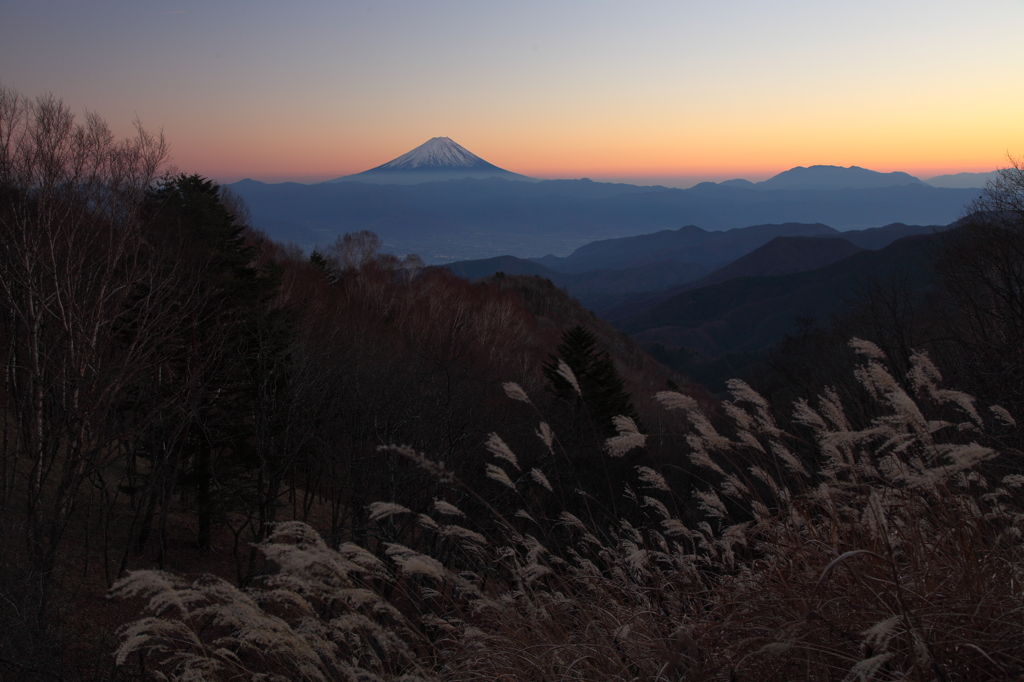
(884, 550)
(223, 459)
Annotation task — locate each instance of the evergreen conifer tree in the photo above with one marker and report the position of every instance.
(603, 391)
(218, 347)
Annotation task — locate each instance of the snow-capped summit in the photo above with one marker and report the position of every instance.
(437, 159)
(437, 152)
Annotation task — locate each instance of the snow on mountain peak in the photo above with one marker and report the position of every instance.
(437, 152)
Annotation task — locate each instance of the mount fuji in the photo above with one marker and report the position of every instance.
(437, 159)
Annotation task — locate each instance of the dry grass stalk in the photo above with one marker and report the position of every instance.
(892, 553)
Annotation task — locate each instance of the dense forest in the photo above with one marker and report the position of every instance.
(224, 458)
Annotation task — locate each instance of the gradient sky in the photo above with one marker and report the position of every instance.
(669, 92)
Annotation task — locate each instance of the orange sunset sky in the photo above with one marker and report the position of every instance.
(648, 92)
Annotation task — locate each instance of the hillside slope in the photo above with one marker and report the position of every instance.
(782, 256)
(689, 244)
(749, 313)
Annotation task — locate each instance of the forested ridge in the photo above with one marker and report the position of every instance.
(224, 458)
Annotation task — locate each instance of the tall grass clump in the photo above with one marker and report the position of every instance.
(885, 546)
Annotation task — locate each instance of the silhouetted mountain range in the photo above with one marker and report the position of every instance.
(617, 277)
(835, 177)
(689, 244)
(854, 177)
(695, 245)
(962, 180)
(782, 256)
(481, 217)
(749, 313)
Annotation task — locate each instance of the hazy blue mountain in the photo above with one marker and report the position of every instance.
(780, 256)
(471, 219)
(854, 177)
(693, 244)
(436, 160)
(880, 237)
(962, 180)
(689, 244)
(749, 313)
(614, 291)
(835, 177)
(783, 256)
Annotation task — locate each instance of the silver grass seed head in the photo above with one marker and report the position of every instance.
(673, 400)
(516, 392)
(496, 473)
(652, 479)
(540, 479)
(1003, 415)
(566, 373)
(499, 450)
(446, 508)
(382, 510)
(547, 436)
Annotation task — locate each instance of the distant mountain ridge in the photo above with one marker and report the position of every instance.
(750, 313)
(835, 177)
(962, 180)
(715, 248)
(436, 160)
(782, 256)
(855, 177)
(467, 219)
(689, 244)
(802, 178)
(616, 286)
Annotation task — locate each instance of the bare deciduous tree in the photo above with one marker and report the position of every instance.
(87, 301)
(981, 266)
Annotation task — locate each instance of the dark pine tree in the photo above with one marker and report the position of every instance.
(218, 345)
(603, 391)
